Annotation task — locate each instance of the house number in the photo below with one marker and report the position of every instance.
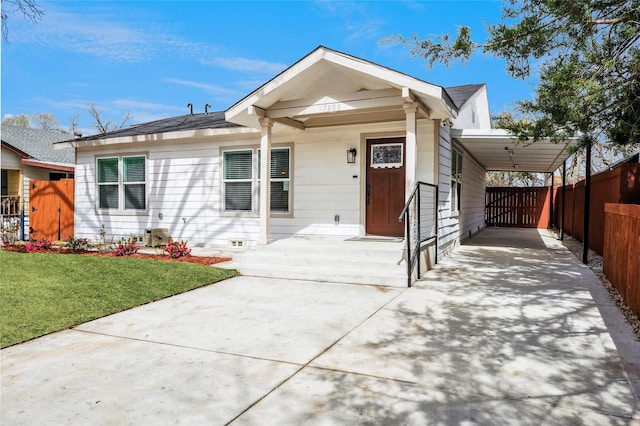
(331, 108)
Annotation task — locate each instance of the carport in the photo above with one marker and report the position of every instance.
(498, 150)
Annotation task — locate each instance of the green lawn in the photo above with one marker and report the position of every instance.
(42, 293)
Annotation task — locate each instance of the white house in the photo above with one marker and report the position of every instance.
(346, 141)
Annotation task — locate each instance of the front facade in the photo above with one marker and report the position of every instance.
(346, 141)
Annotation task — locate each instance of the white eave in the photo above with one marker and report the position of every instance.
(498, 150)
(163, 137)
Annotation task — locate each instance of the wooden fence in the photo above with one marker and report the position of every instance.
(620, 185)
(51, 209)
(622, 251)
(517, 207)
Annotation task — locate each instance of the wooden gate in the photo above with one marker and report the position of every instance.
(517, 207)
(51, 209)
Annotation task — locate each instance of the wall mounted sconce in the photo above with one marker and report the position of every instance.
(351, 155)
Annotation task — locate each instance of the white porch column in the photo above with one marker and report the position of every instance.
(411, 149)
(265, 181)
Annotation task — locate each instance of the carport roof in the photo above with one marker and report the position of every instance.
(498, 150)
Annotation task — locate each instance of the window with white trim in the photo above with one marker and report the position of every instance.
(122, 183)
(456, 180)
(241, 180)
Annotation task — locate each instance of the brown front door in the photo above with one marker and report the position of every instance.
(385, 186)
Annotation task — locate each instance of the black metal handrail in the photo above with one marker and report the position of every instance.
(416, 236)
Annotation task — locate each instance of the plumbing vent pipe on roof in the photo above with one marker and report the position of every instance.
(206, 108)
(190, 105)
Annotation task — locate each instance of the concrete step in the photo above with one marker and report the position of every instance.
(326, 259)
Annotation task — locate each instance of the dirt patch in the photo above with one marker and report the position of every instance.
(201, 260)
(595, 263)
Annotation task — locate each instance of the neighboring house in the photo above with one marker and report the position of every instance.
(347, 140)
(29, 154)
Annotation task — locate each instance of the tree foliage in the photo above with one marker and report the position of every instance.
(44, 121)
(27, 8)
(586, 52)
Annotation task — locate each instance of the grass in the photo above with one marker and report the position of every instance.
(42, 293)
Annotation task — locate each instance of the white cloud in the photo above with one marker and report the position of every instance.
(209, 88)
(97, 35)
(245, 64)
(358, 18)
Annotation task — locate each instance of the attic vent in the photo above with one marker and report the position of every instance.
(474, 117)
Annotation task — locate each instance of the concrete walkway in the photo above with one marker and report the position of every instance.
(509, 329)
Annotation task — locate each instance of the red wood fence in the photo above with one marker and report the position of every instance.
(51, 209)
(517, 207)
(620, 185)
(622, 251)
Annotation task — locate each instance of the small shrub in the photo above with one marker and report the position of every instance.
(9, 230)
(78, 245)
(38, 246)
(175, 249)
(125, 248)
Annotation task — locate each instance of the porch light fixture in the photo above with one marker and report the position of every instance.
(351, 155)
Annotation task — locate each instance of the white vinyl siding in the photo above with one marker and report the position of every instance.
(473, 198)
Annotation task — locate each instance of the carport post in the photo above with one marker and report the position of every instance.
(550, 202)
(587, 202)
(564, 183)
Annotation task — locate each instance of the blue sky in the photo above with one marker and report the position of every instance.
(151, 58)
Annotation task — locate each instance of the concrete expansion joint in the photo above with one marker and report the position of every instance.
(155, 342)
(322, 352)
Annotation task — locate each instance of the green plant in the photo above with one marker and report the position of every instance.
(175, 249)
(38, 246)
(125, 248)
(78, 245)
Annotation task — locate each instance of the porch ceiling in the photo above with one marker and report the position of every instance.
(497, 150)
(330, 88)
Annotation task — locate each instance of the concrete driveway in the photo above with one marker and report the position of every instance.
(509, 329)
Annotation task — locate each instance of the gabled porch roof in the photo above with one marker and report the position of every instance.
(327, 87)
(498, 150)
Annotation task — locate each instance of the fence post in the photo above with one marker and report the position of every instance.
(22, 221)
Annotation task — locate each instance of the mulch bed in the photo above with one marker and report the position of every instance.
(201, 260)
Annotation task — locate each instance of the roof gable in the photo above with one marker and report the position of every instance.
(460, 95)
(325, 72)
